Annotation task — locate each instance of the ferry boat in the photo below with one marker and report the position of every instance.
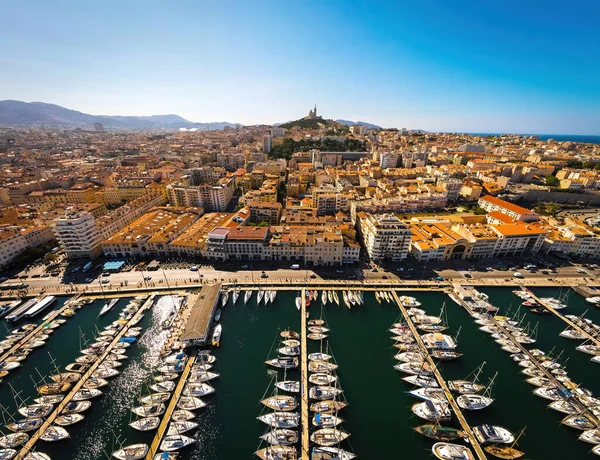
(216, 338)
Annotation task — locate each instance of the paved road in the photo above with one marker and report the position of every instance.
(185, 277)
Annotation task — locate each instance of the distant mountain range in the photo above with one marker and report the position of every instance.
(364, 123)
(19, 113)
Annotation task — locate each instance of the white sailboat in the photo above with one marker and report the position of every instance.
(108, 306)
(235, 296)
(247, 296)
(336, 298)
(260, 296)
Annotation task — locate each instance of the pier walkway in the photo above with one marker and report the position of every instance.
(162, 428)
(304, 446)
(38, 329)
(566, 320)
(79, 384)
(549, 375)
(461, 418)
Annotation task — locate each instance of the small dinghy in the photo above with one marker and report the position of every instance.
(55, 433)
(281, 437)
(145, 424)
(132, 452)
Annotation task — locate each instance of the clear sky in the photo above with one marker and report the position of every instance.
(527, 66)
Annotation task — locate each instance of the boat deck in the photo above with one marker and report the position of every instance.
(162, 428)
(570, 323)
(79, 384)
(461, 418)
(305, 453)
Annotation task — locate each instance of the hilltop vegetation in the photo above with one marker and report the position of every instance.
(290, 146)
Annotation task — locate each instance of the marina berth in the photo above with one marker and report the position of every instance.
(277, 453)
(281, 419)
(132, 452)
(145, 423)
(448, 451)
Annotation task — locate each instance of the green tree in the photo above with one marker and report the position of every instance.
(552, 181)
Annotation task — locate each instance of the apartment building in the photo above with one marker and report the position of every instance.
(210, 197)
(384, 236)
(438, 242)
(79, 235)
(491, 204)
(517, 239)
(261, 212)
(16, 240)
(231, 161)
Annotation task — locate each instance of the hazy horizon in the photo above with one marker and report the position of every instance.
(465, 67)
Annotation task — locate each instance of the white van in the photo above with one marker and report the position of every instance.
(518, 275)
(295, 267)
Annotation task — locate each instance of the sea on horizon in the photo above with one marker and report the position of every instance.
(587, 138)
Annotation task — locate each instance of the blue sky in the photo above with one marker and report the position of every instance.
(478, 66)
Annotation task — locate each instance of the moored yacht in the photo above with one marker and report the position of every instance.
(448, 451)
(493, 434)
(132, 452)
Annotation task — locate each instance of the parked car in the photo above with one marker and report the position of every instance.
(194, 268)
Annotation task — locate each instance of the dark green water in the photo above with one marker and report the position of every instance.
(378, 417)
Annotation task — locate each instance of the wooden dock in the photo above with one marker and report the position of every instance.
(461, 418)
(79, 384)
(304, 446)
(570, 323)
(162, 428)
(549, 375)
(38, 329)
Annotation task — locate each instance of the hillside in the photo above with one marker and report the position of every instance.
(19, 113)
(311, 123)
